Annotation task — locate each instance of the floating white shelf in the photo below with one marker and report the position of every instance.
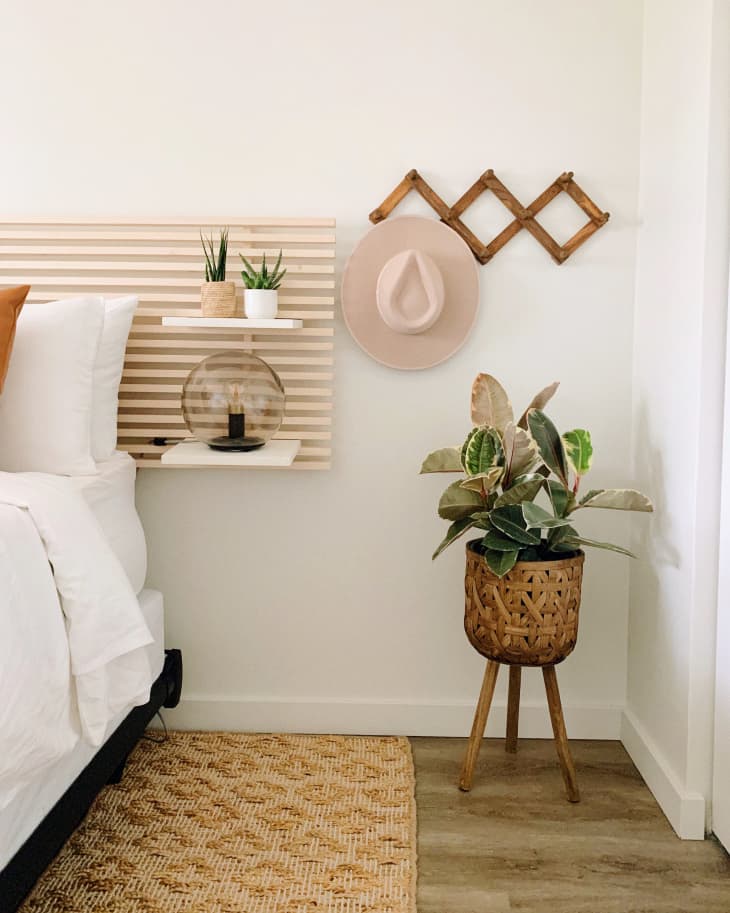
(193, 454)
(233, 323)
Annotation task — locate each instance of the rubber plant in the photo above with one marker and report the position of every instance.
(507, 466)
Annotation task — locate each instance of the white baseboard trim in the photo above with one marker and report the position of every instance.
(596, 721)
(684, 809)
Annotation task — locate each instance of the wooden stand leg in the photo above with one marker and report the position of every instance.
(479, 725)
(561, 737)
(513, 708)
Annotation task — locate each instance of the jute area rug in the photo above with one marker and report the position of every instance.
(238, 823)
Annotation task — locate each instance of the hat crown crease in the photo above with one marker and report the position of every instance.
(410, 292)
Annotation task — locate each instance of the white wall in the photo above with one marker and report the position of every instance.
(309, 600)
(681, 302)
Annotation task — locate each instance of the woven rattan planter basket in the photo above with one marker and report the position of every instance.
(529, 617)
(218, 299)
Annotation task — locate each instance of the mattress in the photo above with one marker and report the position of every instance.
(110, 495)
(25, 812)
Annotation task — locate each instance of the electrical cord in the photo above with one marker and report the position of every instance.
(155, 739)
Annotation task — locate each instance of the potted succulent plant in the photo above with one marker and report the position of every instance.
(217, 297)
(261, 296)
(524, 571)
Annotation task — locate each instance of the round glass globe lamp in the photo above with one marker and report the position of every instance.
(233, 401)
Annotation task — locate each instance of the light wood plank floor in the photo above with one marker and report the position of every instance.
(514, 843)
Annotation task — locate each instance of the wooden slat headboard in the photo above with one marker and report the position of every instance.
(162, 263)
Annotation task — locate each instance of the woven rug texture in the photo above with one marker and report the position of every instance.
(246, 823)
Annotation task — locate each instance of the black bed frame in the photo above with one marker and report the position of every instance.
(107, 766)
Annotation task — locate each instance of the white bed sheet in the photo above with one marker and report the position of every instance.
(28, 808)
(110, 495)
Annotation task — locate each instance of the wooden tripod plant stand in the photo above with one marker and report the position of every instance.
(513, 715)
(528, 617)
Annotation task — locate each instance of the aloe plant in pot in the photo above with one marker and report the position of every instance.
(261, 296)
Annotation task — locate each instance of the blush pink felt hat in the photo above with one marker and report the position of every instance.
(410, 292)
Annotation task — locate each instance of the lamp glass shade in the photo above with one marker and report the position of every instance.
(233, 401)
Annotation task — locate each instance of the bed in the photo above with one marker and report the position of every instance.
(83, 666)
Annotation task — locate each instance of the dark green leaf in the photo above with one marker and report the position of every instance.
(500, 562)
(499, 543)
(561, 498)
(556, 538)
(510, 521)
(549, 443)
(523, 488)
(458, 528)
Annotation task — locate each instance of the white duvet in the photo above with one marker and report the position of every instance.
(71, 630)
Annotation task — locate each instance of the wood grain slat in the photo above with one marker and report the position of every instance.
(100, 283)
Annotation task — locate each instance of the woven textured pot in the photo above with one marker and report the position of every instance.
(529, 617)
(218, 299)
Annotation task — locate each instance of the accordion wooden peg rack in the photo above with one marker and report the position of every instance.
(524, 216)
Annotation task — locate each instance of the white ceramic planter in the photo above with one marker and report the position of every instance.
(261, 303)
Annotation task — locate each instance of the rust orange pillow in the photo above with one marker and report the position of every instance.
(11, 301)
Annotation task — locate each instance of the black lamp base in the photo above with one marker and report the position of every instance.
(236, 444)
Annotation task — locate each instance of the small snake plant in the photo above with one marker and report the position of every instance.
(215, 263)
(508, 465)
(263, 278)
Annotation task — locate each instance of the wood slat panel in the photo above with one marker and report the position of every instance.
(191, 237)
(161, 262)
(81, 249)
(102, 284)
(193, 299)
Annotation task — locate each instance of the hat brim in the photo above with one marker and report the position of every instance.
(461, 287)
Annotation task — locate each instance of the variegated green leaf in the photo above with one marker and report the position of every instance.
(490, 404)
(458, 528)
(561, 498)
(500, 563)
(520, 451)
(510, 521)
(465, 447)
(483, 482)
(539, 401)
(609, 546)
(457, 503)
(523, 488)
(579, 450)
(483, 451)
(616, 499)
(447, 459)
(549, 443)
(537, 517)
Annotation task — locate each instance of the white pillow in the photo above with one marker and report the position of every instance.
(45, 407)
(118, 314)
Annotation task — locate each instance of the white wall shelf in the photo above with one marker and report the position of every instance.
(194, 454)
(233, 323)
